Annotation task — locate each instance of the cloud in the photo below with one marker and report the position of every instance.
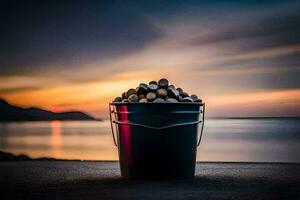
(98, 50)
(285, 59)
(4, 91)
(276, 30)
(38, 34)
(258, 51)
(281, 102)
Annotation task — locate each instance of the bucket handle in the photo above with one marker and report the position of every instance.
(157, 128)
(202, 125)
(111, 124)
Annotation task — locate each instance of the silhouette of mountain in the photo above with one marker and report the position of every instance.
(10, 112)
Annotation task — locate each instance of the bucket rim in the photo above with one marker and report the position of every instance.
(151, 103)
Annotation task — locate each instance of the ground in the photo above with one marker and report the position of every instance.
(102, 180)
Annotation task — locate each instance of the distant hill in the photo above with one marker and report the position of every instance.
(10, 112)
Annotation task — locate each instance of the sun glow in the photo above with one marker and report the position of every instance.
(56, 138)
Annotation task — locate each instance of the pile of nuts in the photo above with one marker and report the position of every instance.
(157, 92)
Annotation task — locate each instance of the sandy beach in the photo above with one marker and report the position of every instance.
(102, 180)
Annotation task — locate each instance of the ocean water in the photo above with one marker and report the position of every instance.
(254, 140)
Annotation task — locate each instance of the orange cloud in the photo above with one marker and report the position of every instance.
(284, 102)
(91, 97)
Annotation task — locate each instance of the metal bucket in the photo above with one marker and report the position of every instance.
(157, 140)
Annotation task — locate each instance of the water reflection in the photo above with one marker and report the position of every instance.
(223, 140)
(56, 140)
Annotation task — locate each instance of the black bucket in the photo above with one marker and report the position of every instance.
(157, 140)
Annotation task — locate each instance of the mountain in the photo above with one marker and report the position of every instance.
(10, 112)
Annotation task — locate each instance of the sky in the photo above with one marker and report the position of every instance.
(241, 57)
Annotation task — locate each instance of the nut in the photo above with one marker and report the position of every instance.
(124, 95)
(130, 92)
(187, 99)
(157, 92)
(152, 87)
(159, 100)
(173, 93)
(133, 98)
(151, 96)
(184, 94)
(153, 82)
(142, 88)
(163, 83)
(162, 93)
(172, 100)
(141, 96)
(180, 91)
(118, 99)
(143, 100)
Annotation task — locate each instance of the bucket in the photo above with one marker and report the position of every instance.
(157, 140)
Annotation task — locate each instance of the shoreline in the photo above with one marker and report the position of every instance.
(10, 157)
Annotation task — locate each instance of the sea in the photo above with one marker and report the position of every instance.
(236, 140)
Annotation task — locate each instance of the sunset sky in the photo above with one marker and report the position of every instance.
(242, 58)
